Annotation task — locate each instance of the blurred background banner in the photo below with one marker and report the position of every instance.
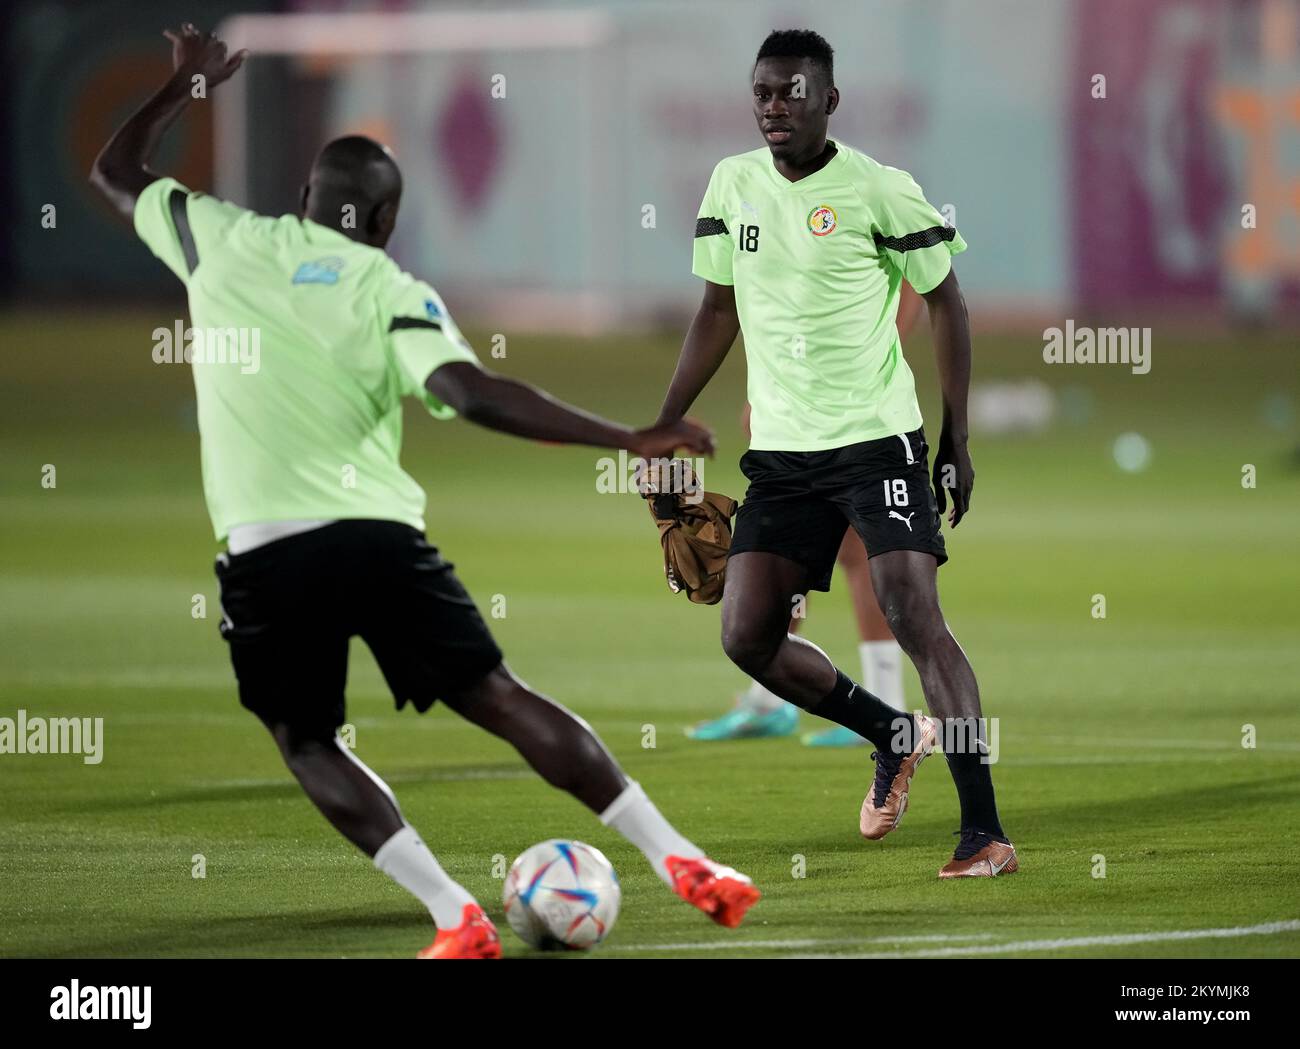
(79, 70)
(562, 159)
(1186, 174)
(1093, 152)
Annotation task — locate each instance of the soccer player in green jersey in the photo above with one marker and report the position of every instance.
(760, 714)
(305, 337)
(803, 244)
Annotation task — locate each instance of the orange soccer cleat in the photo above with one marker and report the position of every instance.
(720, 892)
(475, 937)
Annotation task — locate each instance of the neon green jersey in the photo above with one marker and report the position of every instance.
(302, 344)
(817, 265)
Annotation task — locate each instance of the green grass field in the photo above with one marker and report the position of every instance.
(1119, 737)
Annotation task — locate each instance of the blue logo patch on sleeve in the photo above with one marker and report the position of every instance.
(431, 308)
(319, 271)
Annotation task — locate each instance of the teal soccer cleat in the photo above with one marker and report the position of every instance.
(743, 723)
(839, 736)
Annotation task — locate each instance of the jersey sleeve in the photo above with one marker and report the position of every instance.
(912, 234)
(423, 337)
(713, 243)
(177, 224)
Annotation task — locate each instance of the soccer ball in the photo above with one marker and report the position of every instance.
(562, 894)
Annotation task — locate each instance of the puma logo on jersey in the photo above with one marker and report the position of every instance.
(906, 520)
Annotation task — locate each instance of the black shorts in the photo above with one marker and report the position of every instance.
(291, 607)
(799, 504)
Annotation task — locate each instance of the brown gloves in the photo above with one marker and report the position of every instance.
(694, 530)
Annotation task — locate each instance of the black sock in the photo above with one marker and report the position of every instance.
(974, 780)
(855, 708)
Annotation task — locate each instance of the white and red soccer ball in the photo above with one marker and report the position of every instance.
(562, 894)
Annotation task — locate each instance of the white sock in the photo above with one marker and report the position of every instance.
(760, 700)
(635, 817)
(408, 861)
(882, 671)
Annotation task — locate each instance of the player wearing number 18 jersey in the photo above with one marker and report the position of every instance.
(804, 244)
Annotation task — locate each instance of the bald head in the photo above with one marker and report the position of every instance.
(354, 187)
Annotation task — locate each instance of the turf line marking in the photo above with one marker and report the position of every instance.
(451, 776)
(1101, 759)
(789, 945)
(1170, 744)
(1120, 940)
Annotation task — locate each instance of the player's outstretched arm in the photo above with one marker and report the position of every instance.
(121, 171)
(951, 328)
(707, 343)
(514, 407)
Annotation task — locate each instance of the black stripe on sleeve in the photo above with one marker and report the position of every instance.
(926, 238)
(181, 220)
(400, 323)
(710, 227)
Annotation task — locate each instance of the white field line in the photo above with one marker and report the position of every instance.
(183, 679)
(1071, 942)
(792, 945)
(1138, 742)
(170, 680)
(1102, 759)
(455, 776)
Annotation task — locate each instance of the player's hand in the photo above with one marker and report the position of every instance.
(196, 53)
(662, 440)
(953, 470)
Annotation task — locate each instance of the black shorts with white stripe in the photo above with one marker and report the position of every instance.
(799, 504)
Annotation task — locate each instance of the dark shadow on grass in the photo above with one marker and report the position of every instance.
(271, 935)
(243, 793)
(1128, 812)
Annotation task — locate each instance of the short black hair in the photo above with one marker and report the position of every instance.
(358, 167)
(800, 43)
